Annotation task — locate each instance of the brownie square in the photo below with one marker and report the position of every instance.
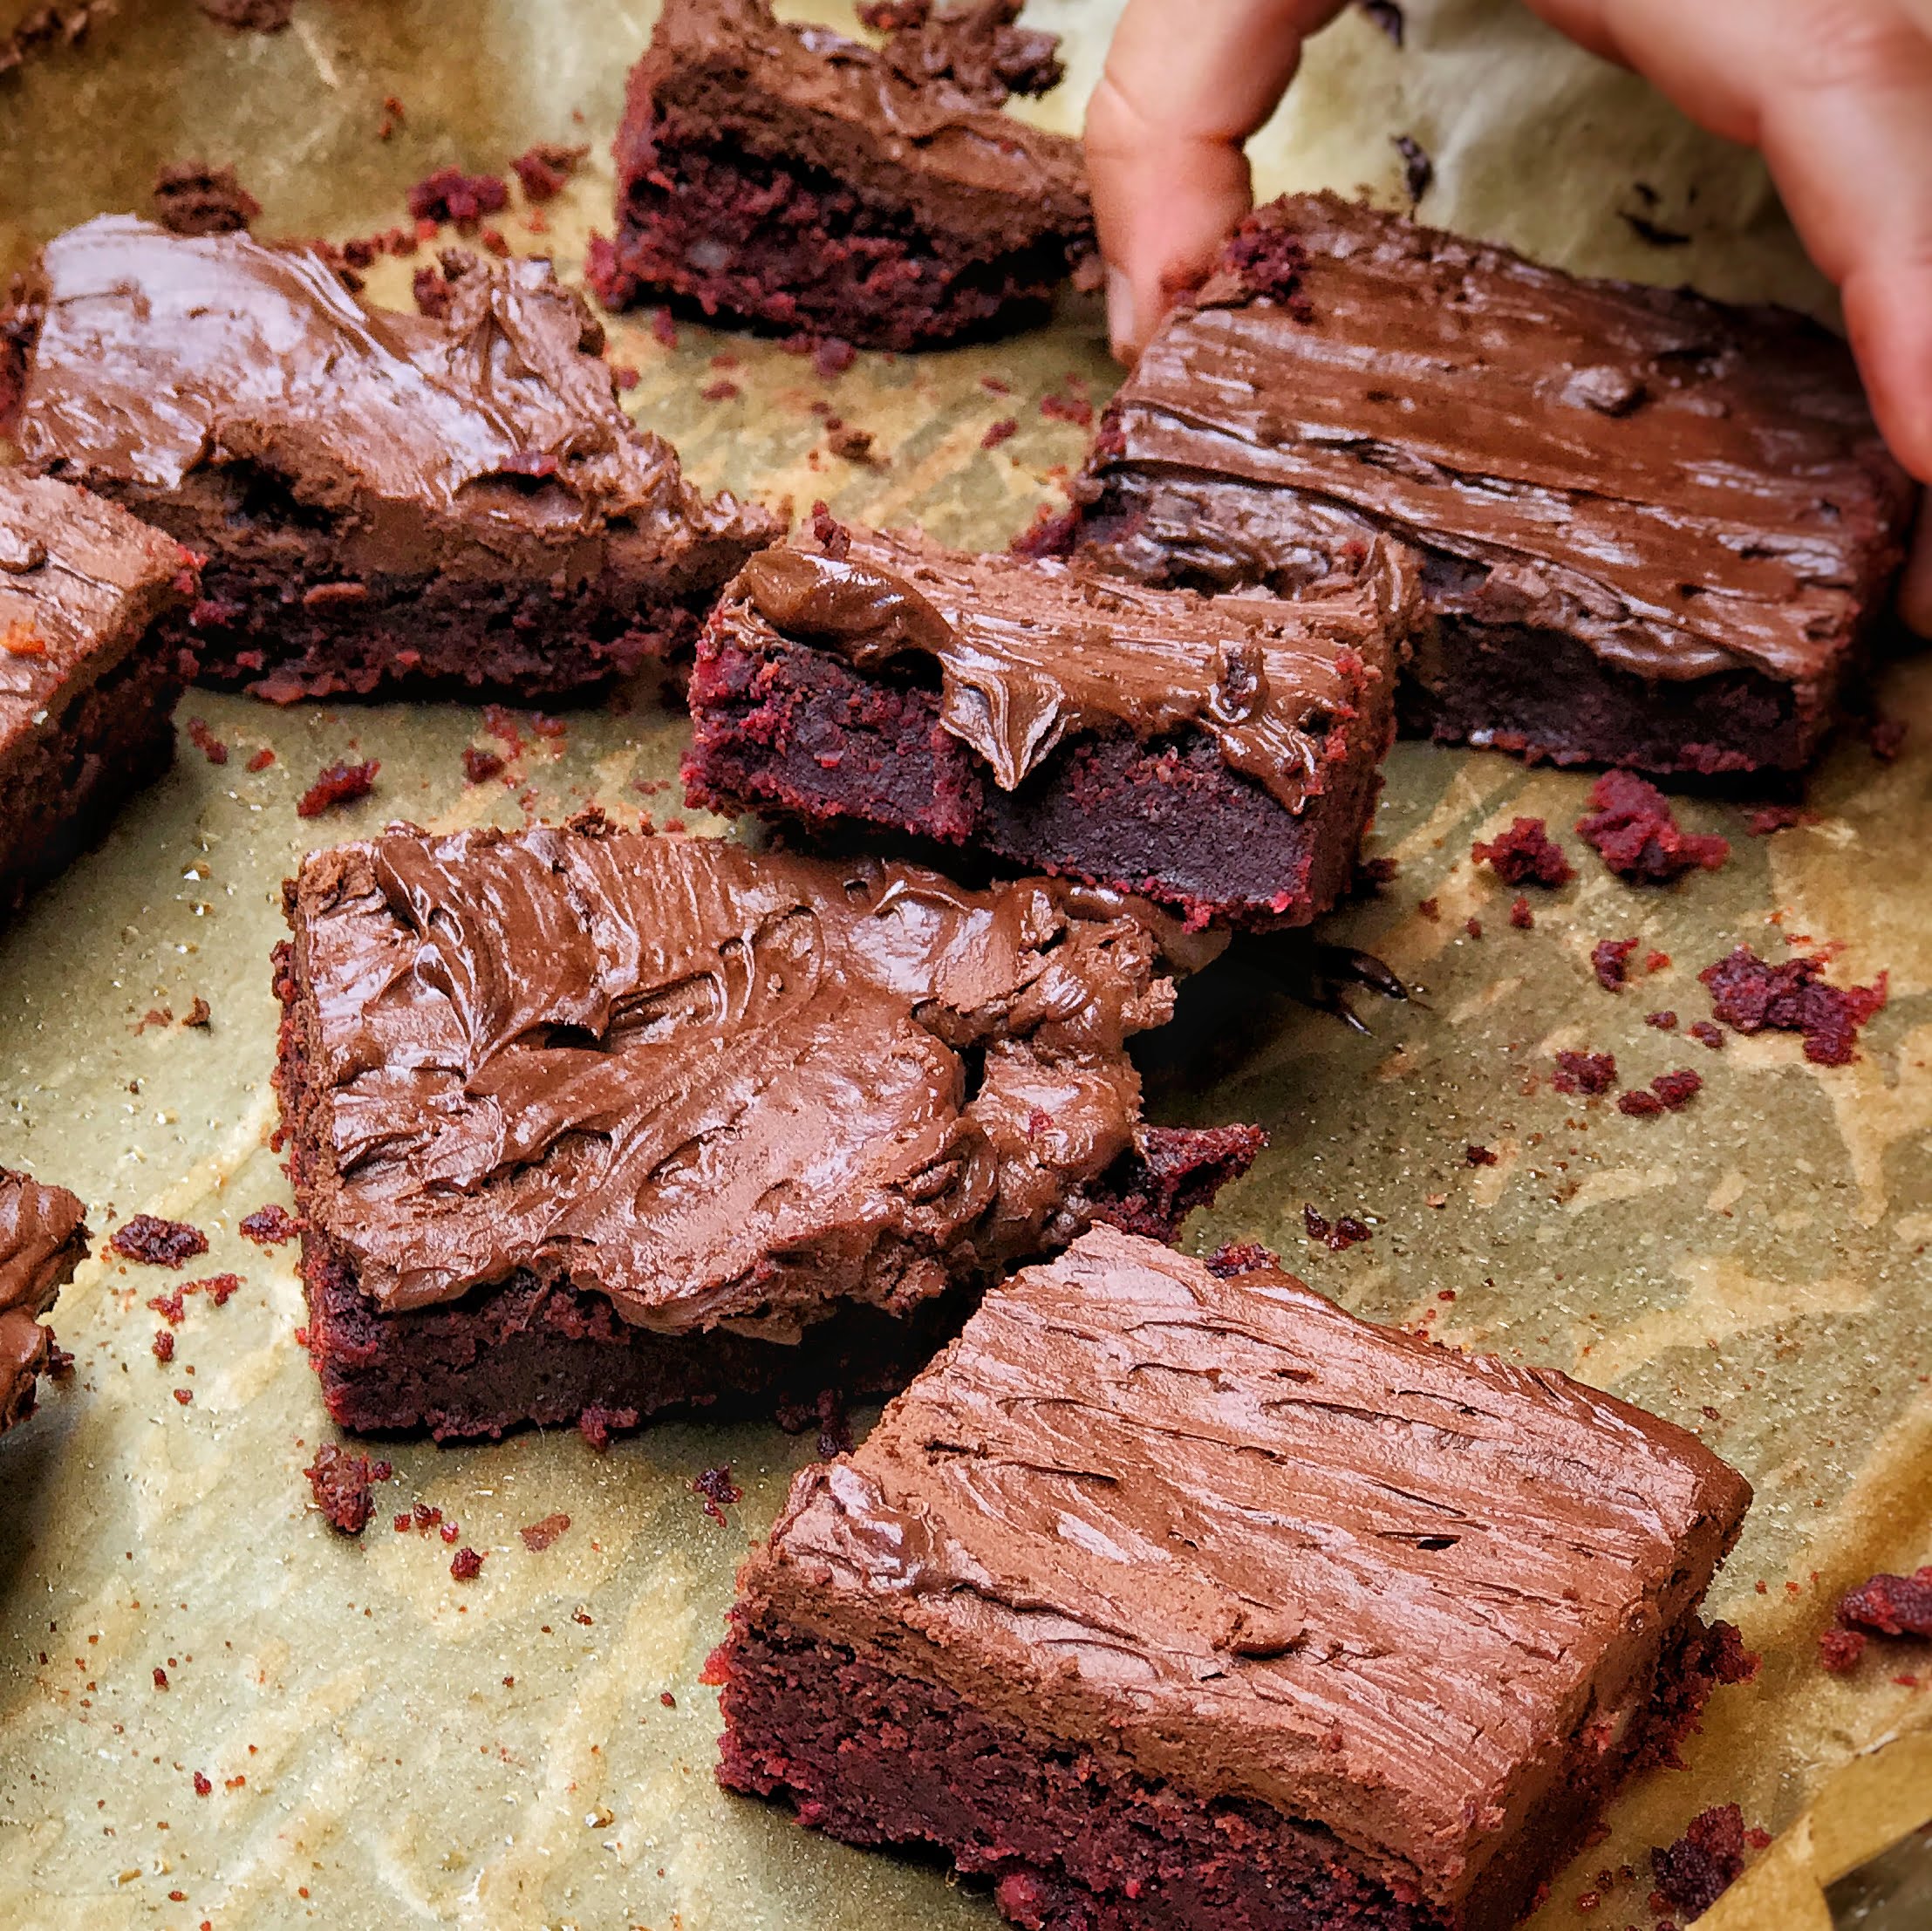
(1655, 531)
(445, 501)
(587, 1121)
(87, 687)
(42, 1239)
(1165, 1600)
(787, 176)
(1219, 755)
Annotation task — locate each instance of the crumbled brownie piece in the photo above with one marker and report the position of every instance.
(1751, 995)
(1638, 1103)
(1521, 916)
(342, 1483)
(718, 1490)
(597, 1424)
(1610, 961)
(269, 1226)
(1665, 1021)
(544, 168)
(1768, 819)
(1695, 1871)
(1584, 1072)
(205, 741)
(158, 1242)
(1524, 854)
(1002, 431)
(539, 1535)
(1241, 1257)
(1706, 1034)
(193, 198)
(451, 195)
(975, 47)
(1841, 1650)
(337, 784)
(1337, 1236)
(1633, 828)
(850, 444)
(466, 1565)
(1893, 1606)
(1478, 1157)
(481, 766)
(1677, 1089)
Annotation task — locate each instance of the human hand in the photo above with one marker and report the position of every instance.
(1837, 93)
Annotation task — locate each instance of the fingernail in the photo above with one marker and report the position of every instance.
(1120, 312)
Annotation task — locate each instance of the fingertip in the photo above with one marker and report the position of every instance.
(1888, 316)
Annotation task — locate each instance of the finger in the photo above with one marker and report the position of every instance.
(1186, 83)
(1916, 588)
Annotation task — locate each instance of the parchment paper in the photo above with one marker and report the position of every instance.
(385, 1747)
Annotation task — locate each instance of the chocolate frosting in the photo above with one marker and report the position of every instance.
(1685, 487)
(1030, 653)
(939, 140)
(1247, 1543)
(487, 443)
(713, 1085)
(42, 1239)
(80, 582)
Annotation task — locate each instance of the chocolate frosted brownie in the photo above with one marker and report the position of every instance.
(785, 175)
(457, 501)
(589, 1120)
(86, 689)
(1218, 755)
(1165, 1600)
(42, 1239)
(1655, 530)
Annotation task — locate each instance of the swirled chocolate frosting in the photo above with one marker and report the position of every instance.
(1685, 488)
(42, 1239)
(1255, 1547)
(710, 1084)
(489, 442)
(1029, 653)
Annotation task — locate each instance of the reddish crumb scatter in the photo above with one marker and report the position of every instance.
(1584, 1072)
(158, 1242)
(160, 1677)
(1639, 1104)
(539, 1535)
(667, 1699)
(1610, 961)
(201, 1015)
(1524, 854)
(1677, 1089)
(342, 1483)
(625, 375)
(1665, 1021)
(261, 760)
(451, 195)
(1521, 916)
(164, 1345)
(1705, 1034)
(1241, 1256)
(449, 1532)
(1890, 1606)
(998, 432)
(1750, 995)
(1068, 404)
(1657, 962)
(337, 784)
(723, 389)
(481, 766)
(466, 1565)
(1768, 819)
(269, 1226)
(494, 240)
(1473, 927)
(170, 1307)
(1695, 1871)
(1478, 1157)
(1637, 836)
(1337, 1236)
(543, 169)
(597, 1424)
(995, 386)
(203, 1787)
(402, 1523)
(829, 534)
(206, 742)
(832, 356)
(718, 1490)
(1429, 908)
(502, 724)
(850, 443)
(425, 1515)
(1589, 1900)
(664, 328)
(184, 1395)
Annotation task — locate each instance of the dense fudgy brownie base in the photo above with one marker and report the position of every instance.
(799, 732)
(1072, 1843)
(59, 789)
(790, 247)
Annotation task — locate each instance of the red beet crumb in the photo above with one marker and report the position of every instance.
(1695, 1871)
(164, 1345)
(466, 1565)
(1665, 1021)
(342, 1484)
(718, 1490)
(1610, 961)
(1584, 1072)
(337, 784)
(158, 1242)
(1337, 1236)
(481, 766)
(1638, 836)
(998, 432)
(1478, 1157)
(451, 195)
(1706, 1034)
(269, 1226)
(539, 1535)
(1524, 854)
(1677, 1089)
(544, 168)
(206, 742)
(1751, 995)
(203, 1787)
(1841, 1650)
(1521, 916)
(597, 1425)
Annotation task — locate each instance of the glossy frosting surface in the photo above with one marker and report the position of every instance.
(1032, 652)
(1263, 1548)
(711, 1084)
(42, 1239)
(1686, 487)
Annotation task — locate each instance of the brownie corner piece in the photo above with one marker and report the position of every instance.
(88, 684)
(1655, 530)
(43, 1238)
(1218, 755)
(1162, 1598)
(643, 1122)
(787, 176)
(455, 502)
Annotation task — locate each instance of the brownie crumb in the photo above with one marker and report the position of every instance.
(1524, 854)
(1639, 1104)
(163, 1345)
(1891, 1605)
(202, 1786)
(1521, 916)
(718, 1490)
(1418, 172)
(1768, 819)
(481, 766)
(451, 195)
(158, 1242)
(192, 198)
(1841, 1650)
(597, 1425)
(269, 1226)
(539, 1535)
(1473, 927)
(466, 1565)
(852, 444)
(1241, 1256)
(543, 169)
(205, 741)
(200, 1015)
(1677, 1089)
(1706, 1033)
(250, 16)
(999, 431)
(342, 1484)
(832, 356)
(829, 534)
(1610, 961)
(1337, 1236)
(1665, 1021)
(1068, 405)
(1695, 1871)
(1584, 1072)
(1637, 835)
(1750, 995)
(1478, 1157)
(337, 784)
(1051, 533)
(1268, 261)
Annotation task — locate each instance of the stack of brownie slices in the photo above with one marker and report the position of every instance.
(1164, 1593)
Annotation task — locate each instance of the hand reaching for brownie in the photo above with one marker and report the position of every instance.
(1838, 93)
